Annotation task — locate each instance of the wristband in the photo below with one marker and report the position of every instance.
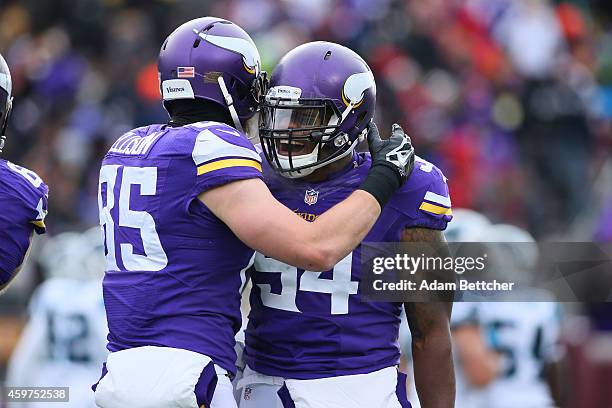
(382, 182)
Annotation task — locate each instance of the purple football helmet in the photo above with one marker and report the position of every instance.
(320, 101)
(6, 99)
(213, 59)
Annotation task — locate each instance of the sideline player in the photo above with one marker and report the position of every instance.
(475, 365)
(23, 197)
(523, 336)
(310, 333)
(183, 203)
(63, 343)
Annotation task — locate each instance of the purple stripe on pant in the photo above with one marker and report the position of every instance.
(204, 388)
(400, 391)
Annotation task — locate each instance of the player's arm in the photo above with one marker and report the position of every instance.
(480, 364)
(557, 381)
(264, 224)
(429, 324)
(267, 226)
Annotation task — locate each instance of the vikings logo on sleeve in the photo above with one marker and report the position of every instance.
(436, 200)
(436, 204)
(23, 199)
(222, 149)
(41, 213)
(35, 196)
(433, 202)
(222, 154)
(423, 202)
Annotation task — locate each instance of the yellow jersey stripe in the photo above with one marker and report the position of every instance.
(39, 223)
(436, 209)
(223, 164)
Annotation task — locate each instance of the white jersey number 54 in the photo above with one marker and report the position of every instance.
(340, 287)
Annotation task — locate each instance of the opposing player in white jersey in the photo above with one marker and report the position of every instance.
(507, 352)
(64, 341)
(475, 365)
(525, 334)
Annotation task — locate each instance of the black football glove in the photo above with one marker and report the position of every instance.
(392, 163)
(396, 151)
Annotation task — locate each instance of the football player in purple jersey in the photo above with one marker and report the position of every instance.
(183, 205)
(310, 337)
(23, 197)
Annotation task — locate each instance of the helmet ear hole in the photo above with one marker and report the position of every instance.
(341, 140)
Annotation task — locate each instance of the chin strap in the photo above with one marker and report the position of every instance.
(346, 112)
(230, 104)
(310, 170)
(9, 108)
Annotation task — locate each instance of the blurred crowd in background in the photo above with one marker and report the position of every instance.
(512, 99)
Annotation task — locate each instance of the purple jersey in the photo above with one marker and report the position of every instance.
(173, 269)
(23, 207)
(307, 325)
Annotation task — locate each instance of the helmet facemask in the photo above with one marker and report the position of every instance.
(300, 135)
(5, 113)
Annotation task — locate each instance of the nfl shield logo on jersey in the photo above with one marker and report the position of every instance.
(311, 196)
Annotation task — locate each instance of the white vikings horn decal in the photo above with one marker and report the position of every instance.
(247, 49)
(355, 86)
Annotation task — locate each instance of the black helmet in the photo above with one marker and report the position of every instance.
(6, 99)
